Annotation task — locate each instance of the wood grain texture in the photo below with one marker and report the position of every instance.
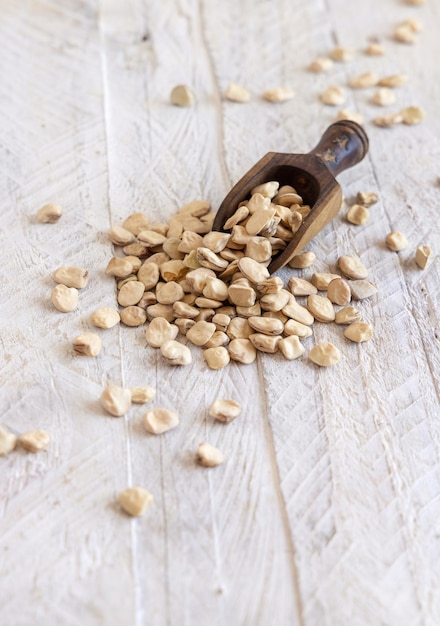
(326, 510)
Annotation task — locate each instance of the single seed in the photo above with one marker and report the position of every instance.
(105, 317)
(375, 49)
(119, 268)
(242, 351)
(321, 64)
(303, 260)
(160, 420)
(184, 324)
(209, 456)
(196, 208)
(216, 358)
(266, 325)
(135, 261)
(88, 344)
(383, 97)
(301, 287)
(135, 223)
(225, 410)
(352, 267)
(342, 54)
(35, 440)
(345, 114)
(239, 328)
(240, 214)
(361, 289)
(325, 354)
(358, 214)
(218, 339)
(49, 214)
(412, 115)
(367, 198)
(279, 94)
(159, 331)
(241, 295)
(394, 80)
(287, 199)
(121, 236)
(182, 96)
(322, 280)
(116, 400)
(8, 441)
(265, 343)
(71, 277)
(142, 395)
(368, 79)
(176, 353)
(333, 96)
(275, 301)
(292, 327)
(321, 308)
(267, 190)
(215, 289)
(387, 121)
(149, 275)
(396, 241)
(259, 221)
(151, 238)
(169, 293)
(297, 312)
(404, 33)
(210, 260)
(422, 256)
(135, 500)
(133, 316)
(252, 270)
(237, 93)
(64, 299)
(201, 333)
(359, 332)
(274, 284)
(131, 293)
(339, 292)
(215, 241)
(291, 348)
(348, 315)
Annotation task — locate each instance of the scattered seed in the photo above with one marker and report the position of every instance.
(279, 94)
(291, 348)
(387, 121)
(35, 440)
(216, 358)
(237, 93)
(321, 308)
(375, 49)
(121, 236)
(358, 214)
(106, 317)
(302, 260)
(225, 410)
(135, 500)
(404, 33)
(348, 315)
(396, 241)
(333, 96)
(242, 350)
(361, 289)
(131, 293)
(116, 400)
(64, 299)
(368, 79)
(133, 316)
(301, 287)
(209, 456)
(88, 344)
(8, 441)
(176, 353)
(339, 292)
(412, 115)
(342, 54)
(49, 214)
(352, 267)
(182, 96)
(383, 97)
(292, 327)
(359, 332)
(422, 256)
(135, 223)
(321, 64)
(142, 395)
(325, 354)
(71, 277)
(395, 80)
(159, 331)
(160, 420)
(119, 268)
(367, 198)
(266, 325)
(201, 333)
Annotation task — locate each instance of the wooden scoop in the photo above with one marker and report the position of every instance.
(342, 145)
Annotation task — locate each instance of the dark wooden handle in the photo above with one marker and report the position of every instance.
(343, 145)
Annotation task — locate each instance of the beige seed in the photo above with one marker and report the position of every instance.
(412, 115)
(333, 96)
(297, 312)
(173, 270)
(266, 325)
(352, 267)
(121, 236)
(361, 289)
(375, 49)
(422, 256)
(88, 344)
(242, 351)
(415, 3)
(71, 277)
(135, 223)
(116, 400)
(197, 279)
(275, 301)
(279, 94)
(201, 333)
(387, 121)
(182, 96)
(49, 214)
(216, 358)
(160, 420)
(303, 260)
(182, 309)
(339, 292)
(287, 199)
(119, 268)
(342, 54)
(131, 293)
(321, 280)
(394, 80)
(237, 93)
(215, 289)
(215, 241)
(252, 270)
(359, 332)
(347, 315)
(239, 328)
(169, 293)
(345, 114)
(184, 324)
(240, 214)
(150, 238)
(149, 275)
(367, 79)
(196, 208)
(148, 298)
(159, 331)
(325, 354)
(367, 198)
(274, 284)
(207, 303)
(383, 97)
(414, 24)
(218, 339)
(225, 410)
(249, 311)
(358, 214)
(142, 395)
(265, 343)
(257, 202)
(292, 327)
(8, 441)
(64, 299)
(135, 261)
(321, 64)
(321, 308)
(210, 260)
(105, 317)
(190, 241)
(135, 500)
(259, 249)
(35, 440)
(221, 321)
(175, 353)
(267, 190)
(396, 241)
(133, 316)
(241, 295)
(259, 221)
(208, 455)
(171, 247)
(301, 287)
(404, 33)
(291, 348)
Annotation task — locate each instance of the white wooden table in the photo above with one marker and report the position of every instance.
(326, 511)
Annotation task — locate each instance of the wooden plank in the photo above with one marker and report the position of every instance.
(65, 551)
